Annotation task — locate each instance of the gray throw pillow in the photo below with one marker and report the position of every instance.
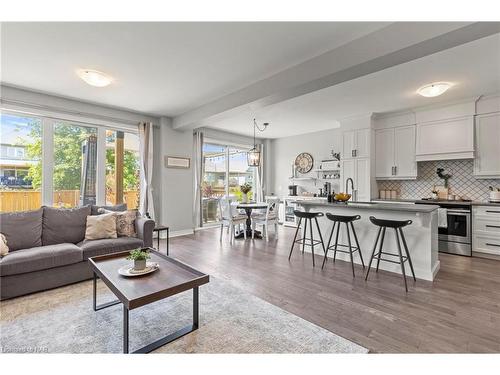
(61, 225)
(23, 230)
(116, 208)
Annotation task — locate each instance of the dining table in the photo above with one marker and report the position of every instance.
(249, 207)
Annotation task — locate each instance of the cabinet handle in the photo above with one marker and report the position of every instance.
(355, 152)
(492, 226)
(492, 244)
(493, 212)
(352, 153)
(395, 170)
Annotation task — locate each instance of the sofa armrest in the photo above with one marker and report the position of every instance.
(144, 228)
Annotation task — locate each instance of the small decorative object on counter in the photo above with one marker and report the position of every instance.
(139, 257)
(494, 195)
(382, 194)
(245, 189)
(342, 197)
(444, 176)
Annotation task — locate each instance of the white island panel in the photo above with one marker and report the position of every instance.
(421, 236)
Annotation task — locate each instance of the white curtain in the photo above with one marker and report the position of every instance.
(146, 153)
(198, 171)
(260, 175)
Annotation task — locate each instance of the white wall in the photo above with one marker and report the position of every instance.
(175, 188)
(285, 150)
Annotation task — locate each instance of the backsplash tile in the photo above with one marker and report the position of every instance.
(462, 182)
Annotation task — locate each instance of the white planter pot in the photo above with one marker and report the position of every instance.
(139, 265)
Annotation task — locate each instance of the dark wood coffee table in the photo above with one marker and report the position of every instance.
(172, 278)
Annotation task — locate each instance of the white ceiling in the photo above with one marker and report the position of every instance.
(162, 68)
(474, 68)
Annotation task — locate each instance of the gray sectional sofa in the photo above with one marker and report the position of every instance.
(47, 248)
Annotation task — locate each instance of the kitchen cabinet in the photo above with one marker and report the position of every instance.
(486, 230)
(445, 139)
(359, 171)
(487, 160)
(395, 153)
(356, 144)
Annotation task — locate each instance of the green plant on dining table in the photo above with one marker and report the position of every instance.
(138, 254)
(245, 188)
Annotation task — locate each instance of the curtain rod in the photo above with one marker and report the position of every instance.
(68, 112)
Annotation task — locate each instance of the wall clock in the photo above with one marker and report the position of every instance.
(304, 162)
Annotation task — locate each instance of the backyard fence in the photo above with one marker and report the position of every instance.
(24, 200)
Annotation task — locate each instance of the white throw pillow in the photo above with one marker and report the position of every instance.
(4, 249)
(101, 227)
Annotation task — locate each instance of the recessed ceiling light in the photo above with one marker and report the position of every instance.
(434, 89)
(94, 77)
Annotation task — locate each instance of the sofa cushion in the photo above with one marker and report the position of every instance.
(107, 246)
(116, 208)
(64, 225)
(40, 258)
(22, 230)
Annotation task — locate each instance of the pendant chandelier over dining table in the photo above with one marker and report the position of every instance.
(253, 156)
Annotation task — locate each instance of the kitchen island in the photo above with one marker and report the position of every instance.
(421, 236)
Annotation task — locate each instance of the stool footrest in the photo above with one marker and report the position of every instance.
(377, 256)
(354, 249)
(307, 241)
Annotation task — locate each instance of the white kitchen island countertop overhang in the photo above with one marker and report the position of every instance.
(421, 236)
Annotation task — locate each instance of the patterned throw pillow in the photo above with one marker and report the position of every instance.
(125, 222)
(4, 249)
(100, 227)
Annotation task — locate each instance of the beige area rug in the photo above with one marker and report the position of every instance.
(231, 321)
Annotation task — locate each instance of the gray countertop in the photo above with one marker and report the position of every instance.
(373, 206)
(472, 203)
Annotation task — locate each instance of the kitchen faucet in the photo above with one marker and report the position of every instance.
(352, 188)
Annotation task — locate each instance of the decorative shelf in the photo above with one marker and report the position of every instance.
(303, 178)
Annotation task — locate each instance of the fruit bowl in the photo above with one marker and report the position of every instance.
(342, 197)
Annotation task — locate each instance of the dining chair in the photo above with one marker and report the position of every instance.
(230, 218)
(269, 217)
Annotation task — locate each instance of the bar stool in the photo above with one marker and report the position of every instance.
(337, 220)
(307, 216)
(398, 229)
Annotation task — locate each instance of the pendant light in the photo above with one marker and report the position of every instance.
(253, 156)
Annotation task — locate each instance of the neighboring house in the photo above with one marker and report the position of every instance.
(14, 166)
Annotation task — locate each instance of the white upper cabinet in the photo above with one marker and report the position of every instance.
(446, 139)
(356, 144)
(487, 161)
(395, 153)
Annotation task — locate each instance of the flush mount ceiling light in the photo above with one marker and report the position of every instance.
(434, 89)
(94, 77)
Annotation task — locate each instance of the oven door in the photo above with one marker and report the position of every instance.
(459, 227)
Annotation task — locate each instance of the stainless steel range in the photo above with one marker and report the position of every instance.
(456, 238)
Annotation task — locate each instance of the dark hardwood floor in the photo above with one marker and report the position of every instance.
(458, 312)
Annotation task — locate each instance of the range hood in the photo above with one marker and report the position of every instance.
(445, 139)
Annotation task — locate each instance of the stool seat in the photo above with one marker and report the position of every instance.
(399, 257)
(390, 223)
(342, 218)
(307, 215)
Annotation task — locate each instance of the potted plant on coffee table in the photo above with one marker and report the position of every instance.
(139, 257)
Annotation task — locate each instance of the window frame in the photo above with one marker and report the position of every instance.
(48, 122)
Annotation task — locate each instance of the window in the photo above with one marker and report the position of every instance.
(75, 165)
(214, 180)
(225, 169)
(20, 163)
(239, 172)
(68, 173)
(122, 168)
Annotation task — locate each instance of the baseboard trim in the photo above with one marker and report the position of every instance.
(176, 233)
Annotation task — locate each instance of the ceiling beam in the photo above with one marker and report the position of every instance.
(392, 45)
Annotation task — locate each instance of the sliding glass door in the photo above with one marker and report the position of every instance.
(225, 169)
